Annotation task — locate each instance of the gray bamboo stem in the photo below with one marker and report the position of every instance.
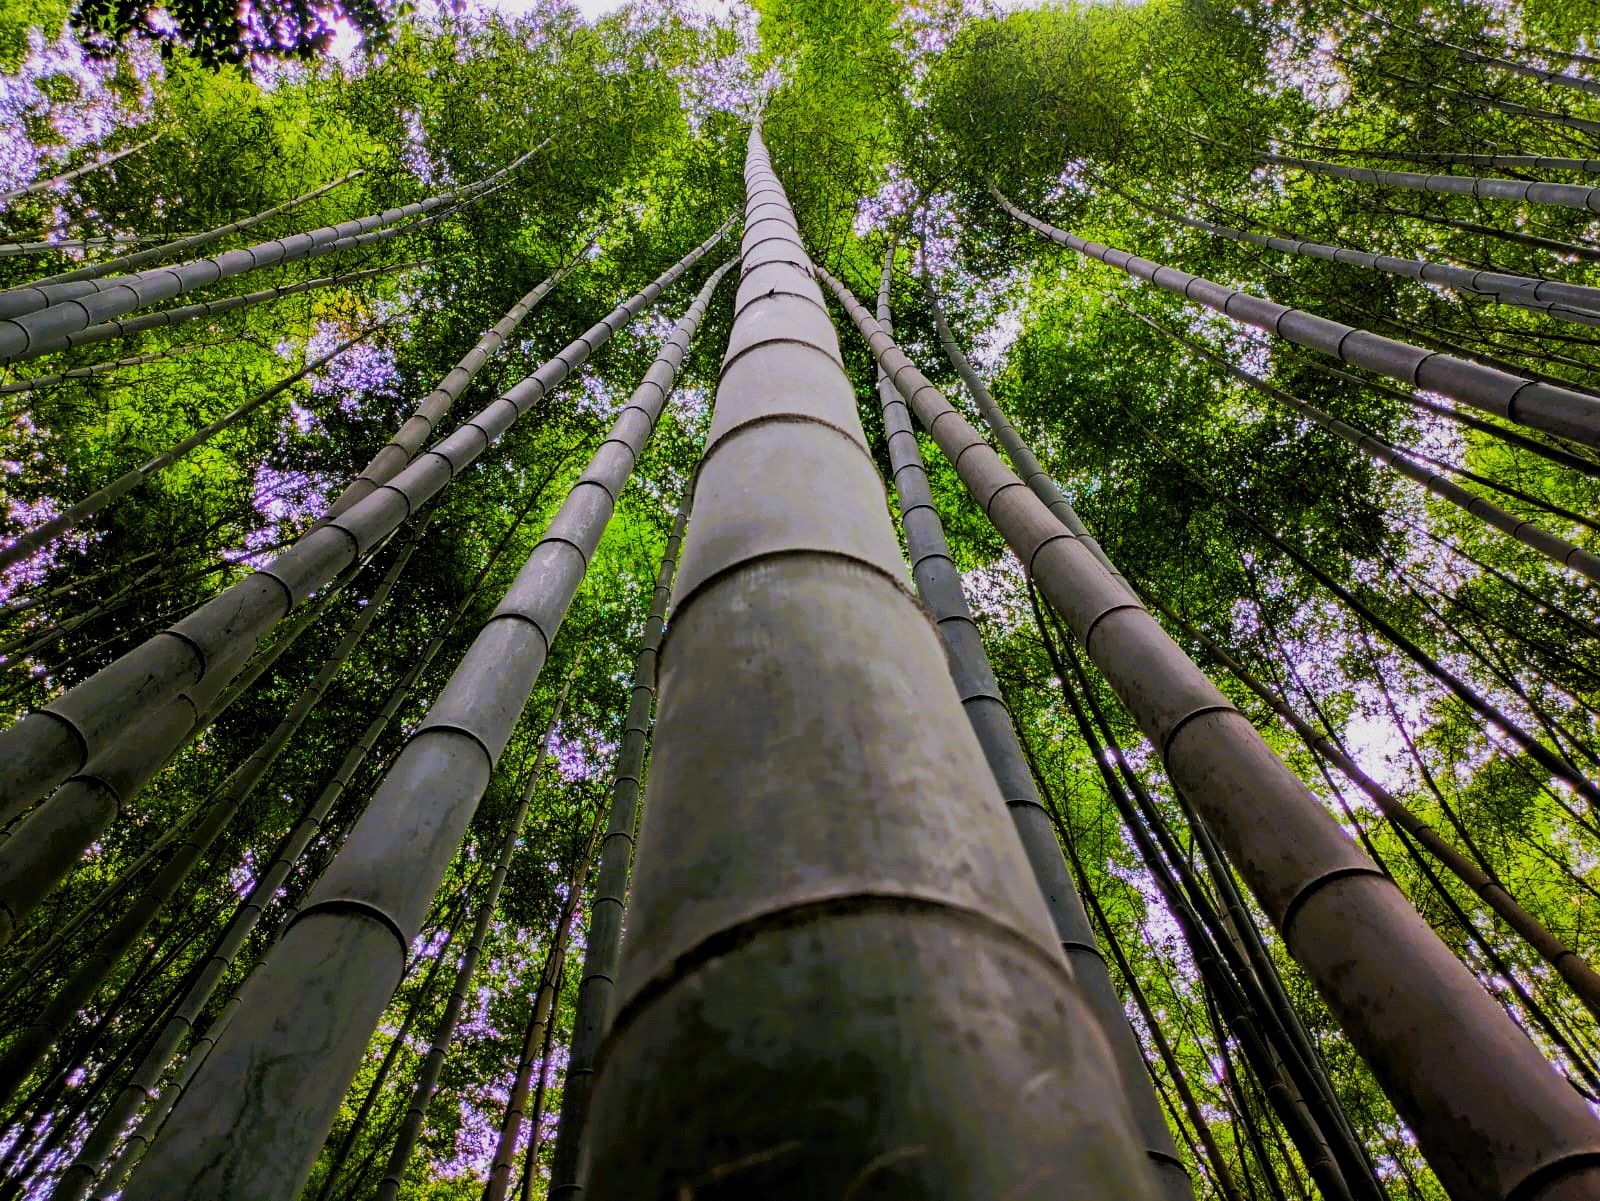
(427, 1080)
(1543, 406)
(309, 1011)
(50, 744)
(1491, 1121)
(603, 941)
(938, 583)
(828, 889)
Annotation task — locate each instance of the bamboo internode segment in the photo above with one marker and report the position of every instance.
(603, 939)
(938, 582)
(48, 745)
(177, 246)
(1564, 195)
(433, 408)
(251, 1122)
(39, 319)
(829, 904)
(1491, 1116)
(1579, 303)
(1543, 406)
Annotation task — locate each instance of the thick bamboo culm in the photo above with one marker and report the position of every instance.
(1488, 1111)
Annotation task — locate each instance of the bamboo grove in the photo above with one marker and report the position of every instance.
(802, 600)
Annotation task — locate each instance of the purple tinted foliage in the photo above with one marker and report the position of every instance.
(82, 113)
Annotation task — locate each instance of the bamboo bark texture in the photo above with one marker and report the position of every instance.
(143, 1083)
(416, 430)
(1564, 195)
(603, 940)
(938, 583)
(488, 904)
(1492, 1117)
(840, 978)
(35, 320)
(251, 1121)
(154, 254)
(49, 744)
(1542, 406)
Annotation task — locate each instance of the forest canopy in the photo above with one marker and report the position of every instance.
(1285, 314)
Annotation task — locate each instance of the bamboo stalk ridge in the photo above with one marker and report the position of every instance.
(1491, 1116)
(603, 938)
(51, 743)
(1542, 406)
(307, 1015)
(872, 906)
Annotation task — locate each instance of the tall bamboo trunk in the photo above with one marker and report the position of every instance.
(37, 319)
(177, 246)
(147, 1076)
(541, 1020)
(1564, 195)
(308, 1013)
(427, 1079)
(1572, 302)
(50, 744)
(1542, 406)
(938, 583)
(1557, 550)
(603, 938)
(35, 1040)
(127, 327)
(830, 904)
(1488, 1112)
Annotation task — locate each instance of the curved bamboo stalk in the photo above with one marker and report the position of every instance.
(432, 1065)
(34, 1041)
(1516, 162)
(155, 254)
(51, 743)
(37, 320)
(1556, 550)
(1580, 977)
(799, 1028)
(1563, 195)
(1491, 1122)
(1569, 302)
(55, 181)
(1541, 406)
(938, 583)
(395, 454)
(603, 938)
(540, 1023)
(336, 967)
(36, 539)
(143, 1084)
(166, 318)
